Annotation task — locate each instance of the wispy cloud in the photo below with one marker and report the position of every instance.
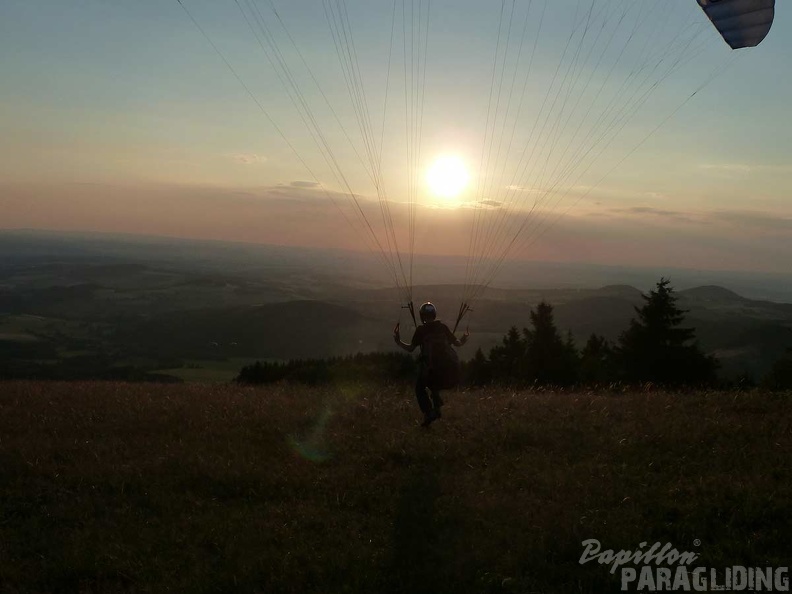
(249, 158)
(304, 184)
(288, 215)
(741, 220)
(528, 189)
(309, 192)
(754, 220)
(662, 213)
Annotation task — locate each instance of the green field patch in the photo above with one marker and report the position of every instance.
(209, 370)
(210, 374)
(17, 337)
(26, 324)
(42, 327)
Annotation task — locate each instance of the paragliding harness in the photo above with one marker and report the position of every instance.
(439, 365)
(439, 362)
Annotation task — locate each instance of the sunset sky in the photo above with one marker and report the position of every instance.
(122, 117)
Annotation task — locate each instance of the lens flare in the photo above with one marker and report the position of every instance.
(313, 446)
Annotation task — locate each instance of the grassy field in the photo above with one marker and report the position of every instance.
(220, 371)
(112, 487)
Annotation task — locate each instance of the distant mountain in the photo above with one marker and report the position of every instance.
(605, 316)
(711, 294)
(158, 299)
(623, 291)
(332, 269)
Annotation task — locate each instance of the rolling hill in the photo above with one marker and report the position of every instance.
(159, 303)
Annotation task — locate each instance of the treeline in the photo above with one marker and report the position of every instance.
(656, 348)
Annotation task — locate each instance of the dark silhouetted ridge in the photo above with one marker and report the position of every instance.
(711, 293)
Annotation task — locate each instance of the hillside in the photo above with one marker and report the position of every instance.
(111, 487)
(77, 306)
(216, 323)
(289, 330)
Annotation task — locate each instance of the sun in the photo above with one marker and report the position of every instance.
(447, 177)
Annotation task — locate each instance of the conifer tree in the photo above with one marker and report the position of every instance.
(538, 355)
(596, 365)
(507, 359)
(780, 376)
(479, 369)
(656, 349)
(548, 358)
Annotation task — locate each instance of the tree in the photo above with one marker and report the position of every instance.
(538, 355)
(548, 358)
(478, 371)
(656, 349)
(780, 376)
(596, 365)
(507, 359)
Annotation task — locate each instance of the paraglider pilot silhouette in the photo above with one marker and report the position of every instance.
(438, 365)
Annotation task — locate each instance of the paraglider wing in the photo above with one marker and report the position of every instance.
(741, 23)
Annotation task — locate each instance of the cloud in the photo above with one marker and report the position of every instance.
(493, 203)
(286, 215)
(676, 215)
(753, 219)
(304, 184)
(753, 223)
(317, 194)
(516, 188)
(249, 158)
